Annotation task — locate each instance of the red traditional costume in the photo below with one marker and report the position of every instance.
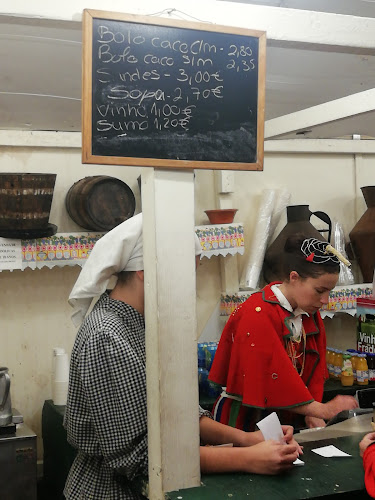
(254, 361)
(369, 466)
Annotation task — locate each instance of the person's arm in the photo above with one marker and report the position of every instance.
(326, 410)
(212, 432)
(367, 451)
(267, 457)
(215, 433)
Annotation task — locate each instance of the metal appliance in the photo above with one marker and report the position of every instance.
(17, 449)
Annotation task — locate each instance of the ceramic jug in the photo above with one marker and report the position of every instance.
(298, 221)
(5, 403)
(362, 236)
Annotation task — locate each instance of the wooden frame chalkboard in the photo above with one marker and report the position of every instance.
(171, 94)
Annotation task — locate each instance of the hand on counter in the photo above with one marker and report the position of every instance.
(340, 403)
(366, 441)
(273, 457)
(313, 422)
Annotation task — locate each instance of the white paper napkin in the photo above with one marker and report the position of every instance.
(270, 427)
(330, 451)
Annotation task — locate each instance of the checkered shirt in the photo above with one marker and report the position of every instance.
(106, 417)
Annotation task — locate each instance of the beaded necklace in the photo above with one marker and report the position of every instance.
(292, 349)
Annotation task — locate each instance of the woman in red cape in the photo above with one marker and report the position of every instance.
(271, 355)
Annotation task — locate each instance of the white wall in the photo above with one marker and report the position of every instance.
(35, 316)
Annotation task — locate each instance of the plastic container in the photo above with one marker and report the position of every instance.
(347, 378)
(203, 382)
(354, 355)
(371, 367)
(210, 352)
(362, 370)
(329, 360)
(338, 364)
(332, 363)
(60, 376)
(202, 355)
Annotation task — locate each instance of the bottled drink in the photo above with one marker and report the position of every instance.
(347, 378)
(329, 360)
(338, 364)
(362, 370)
(333, 360)
(371, 367)
(354, 359)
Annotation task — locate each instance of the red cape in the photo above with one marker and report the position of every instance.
(251, 360)
(369, 466)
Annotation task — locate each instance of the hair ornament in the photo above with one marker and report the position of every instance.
(331, 249)
(320, 252)
(310, 257)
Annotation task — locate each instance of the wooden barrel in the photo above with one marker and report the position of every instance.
(100, 202)
(25, 200)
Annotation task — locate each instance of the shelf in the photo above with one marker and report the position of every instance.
(62, 249)
(342, 299)
(221, 239)
(72, 249)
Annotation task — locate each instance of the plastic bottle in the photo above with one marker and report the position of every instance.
(362, 370)
(354, 359)
(354, 365)
(333, 358)
(371, 368)
(329, 360)
(347, 378)
(338, 364)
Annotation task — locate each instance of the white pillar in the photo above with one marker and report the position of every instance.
(171, 350)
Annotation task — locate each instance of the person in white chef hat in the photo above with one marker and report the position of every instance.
(106, 413)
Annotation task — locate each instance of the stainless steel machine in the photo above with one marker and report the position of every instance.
(18, 471)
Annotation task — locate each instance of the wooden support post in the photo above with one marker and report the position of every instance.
(228, 265)
(170, 314)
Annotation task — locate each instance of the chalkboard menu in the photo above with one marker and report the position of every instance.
(177, 94)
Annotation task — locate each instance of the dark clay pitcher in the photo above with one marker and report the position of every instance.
(298, 221)
(362, 236)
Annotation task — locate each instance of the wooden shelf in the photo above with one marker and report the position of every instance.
(221, 239)
(342, 299)
(73, 249)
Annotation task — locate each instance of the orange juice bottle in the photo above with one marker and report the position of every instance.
(333, 358)
(354, 364)
(362, 370)
(329, 359)
(338, 364)
(347, 378)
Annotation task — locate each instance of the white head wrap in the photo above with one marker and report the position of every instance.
(121, 249)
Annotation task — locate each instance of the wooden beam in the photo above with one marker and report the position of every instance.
(285, 27)
(170, 315)
(318, 146)
(337, 109)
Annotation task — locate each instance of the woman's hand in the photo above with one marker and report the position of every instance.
(366, 441)
(289, 439)
(270, 457)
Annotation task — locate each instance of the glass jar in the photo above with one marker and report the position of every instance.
(347, 378)
(362, 370)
